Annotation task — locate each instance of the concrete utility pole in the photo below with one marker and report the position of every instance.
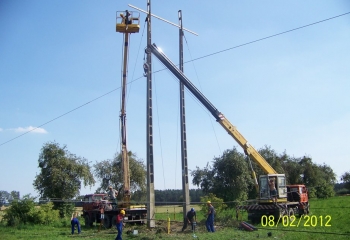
(148, 74)
(150, 167)
(184, 167)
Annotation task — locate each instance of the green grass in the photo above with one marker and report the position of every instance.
(333, 211)
(337, 208)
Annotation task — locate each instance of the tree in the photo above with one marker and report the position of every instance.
(15, 194)
(272, 158)
(320, 178)
(346, 180)
(109, 172)
(293, 170)
(6, 197)
(61, 173)
(228, 179)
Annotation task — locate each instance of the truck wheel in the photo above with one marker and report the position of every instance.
(307, 209)
(291, 214)
(107, 222)
(88, 223)
(279, 214)
(114, 220)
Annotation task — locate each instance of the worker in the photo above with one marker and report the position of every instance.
(210, 219)
(190, 218)
(120, 224)
(112, 196)
(273, 192)
(123, 18)
(127, 17)
(74, 221)
(102, 211)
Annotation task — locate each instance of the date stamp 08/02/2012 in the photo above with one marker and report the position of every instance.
(292, 221)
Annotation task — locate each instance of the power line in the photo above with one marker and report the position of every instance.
(61, 116)
(208, 55)
(271, 36)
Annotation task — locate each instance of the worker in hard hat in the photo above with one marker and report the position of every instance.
(120, 224)
(210, 219)
(190, 218)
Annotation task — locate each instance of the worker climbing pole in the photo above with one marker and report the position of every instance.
(127, 23)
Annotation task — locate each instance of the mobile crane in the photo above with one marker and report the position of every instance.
(127, 23)
(289, 199)
(96, 204)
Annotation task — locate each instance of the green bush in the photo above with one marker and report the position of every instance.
(65, 209)
(343, 191)
(217, 203)
(312, 192)
(45, 214)
(20, 211)
(324, 190)
(23, 211)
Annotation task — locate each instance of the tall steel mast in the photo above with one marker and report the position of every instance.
(127, 23)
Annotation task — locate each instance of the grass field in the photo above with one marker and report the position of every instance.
(334, 212)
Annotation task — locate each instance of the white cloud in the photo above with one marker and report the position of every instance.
(1, 129)
(31, 129)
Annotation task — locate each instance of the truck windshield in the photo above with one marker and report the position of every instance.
(98, 198)
(264, 188)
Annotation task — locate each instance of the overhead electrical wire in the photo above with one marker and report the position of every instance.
(271, 36)
(61, 115)
(208, 55)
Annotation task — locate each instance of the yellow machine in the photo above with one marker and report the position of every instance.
(127, 23)
(279, 203)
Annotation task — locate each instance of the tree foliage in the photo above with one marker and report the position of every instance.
(23, 211)
(109, 172)
(171, 196)
(319, 177)
(61, 173)
(346, 180)
(6, 197)
(217, 203)
(228, 178)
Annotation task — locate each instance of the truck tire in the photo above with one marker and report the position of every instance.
(88, 222)
(114, 220)
(107, 221)
(291, 214)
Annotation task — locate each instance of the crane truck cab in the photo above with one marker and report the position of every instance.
(280, 186)
(299, 193)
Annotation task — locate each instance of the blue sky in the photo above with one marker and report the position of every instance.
(290, 92)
